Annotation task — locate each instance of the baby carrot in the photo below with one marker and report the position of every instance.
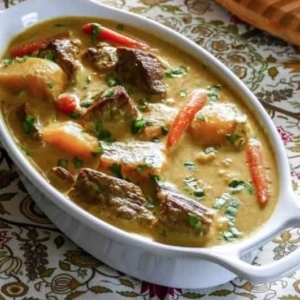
(196, 100)
(99, 32)
(31, 47)
(258, 171)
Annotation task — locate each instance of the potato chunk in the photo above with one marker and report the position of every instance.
(39, 77)
(219, 123)
(71, 138)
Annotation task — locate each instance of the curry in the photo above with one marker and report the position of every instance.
(137, 132)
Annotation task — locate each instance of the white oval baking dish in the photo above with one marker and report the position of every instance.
(132, 254)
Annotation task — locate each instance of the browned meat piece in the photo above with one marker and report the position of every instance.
(160, 118)
(117, 198)
(103, 57)
(29, 121)
(141, 69)
(183, 215)
(63, 174)
(61, 178)
(113, 105)
(134, 160)
(64, 53)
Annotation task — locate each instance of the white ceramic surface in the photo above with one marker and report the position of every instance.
(134, 255)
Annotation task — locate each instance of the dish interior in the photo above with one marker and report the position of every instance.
(137, 132)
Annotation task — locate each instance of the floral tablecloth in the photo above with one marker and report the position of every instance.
(38, 262)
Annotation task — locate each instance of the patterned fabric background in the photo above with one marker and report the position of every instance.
(38, 262)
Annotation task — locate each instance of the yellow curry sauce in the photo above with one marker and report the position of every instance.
(203, 167)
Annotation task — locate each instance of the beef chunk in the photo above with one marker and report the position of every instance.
(113, 105)
(103, 57)
(116, 197)
(64, 53)
(63, 174)
(142, 69)
(61, 178)
(133, 160)
(29, 121)
(183, 215)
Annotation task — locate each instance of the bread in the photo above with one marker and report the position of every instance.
(280, 18)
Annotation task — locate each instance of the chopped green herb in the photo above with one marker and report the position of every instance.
(99, 190)
(190, 180)
(250, 189)
(164, 130)
(231, 210)
(111, 80)
(95, 32)
(194, 221)
(228, 236)
(108, 94)
(7, 61)
(77, 162)
(235, 231)
(50, 85)
(232, 233)
(221, 201)
(138, 125)
(214, 93)
(140, 169)
(26, 151)
(156, 179)
(201, 117)
(176, 72)
(199, 193)
(62, 163)
(120, 26)
(234, 139)
(116, 169)
(28, 124)
(98, 127)
(235, 203)
(102, 134)
(150, 203)
(237, 185)
(51, 55)
(74, 115)
(86, 103)
(98, 150)
(21, 59)
(142, 107)
(209, 150)
(190, 165)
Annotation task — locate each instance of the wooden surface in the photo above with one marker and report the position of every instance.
(278, 17)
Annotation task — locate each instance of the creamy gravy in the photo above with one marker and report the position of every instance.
(183, 167)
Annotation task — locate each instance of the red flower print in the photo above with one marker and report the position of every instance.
(286, 136)
(157, 290)
(3, 239)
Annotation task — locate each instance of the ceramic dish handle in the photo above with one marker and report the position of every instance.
(288, 217)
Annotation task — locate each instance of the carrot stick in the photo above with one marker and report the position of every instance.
(194, 103)
(99, 32)
(31, 47)
(258, 171)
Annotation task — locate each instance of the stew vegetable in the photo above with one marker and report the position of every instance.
(137, 132)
